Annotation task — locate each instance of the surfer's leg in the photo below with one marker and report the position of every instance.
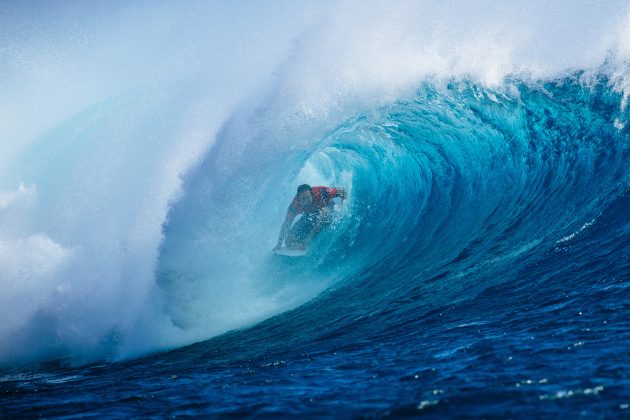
(289, 241)
(300, 231)
(323, 219)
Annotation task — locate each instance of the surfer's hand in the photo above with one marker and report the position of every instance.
(341, 192)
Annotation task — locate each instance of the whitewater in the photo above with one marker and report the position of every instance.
(479, 267)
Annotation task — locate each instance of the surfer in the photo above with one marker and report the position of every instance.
(315, 204)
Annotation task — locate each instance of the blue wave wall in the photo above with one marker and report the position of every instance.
(453, 191)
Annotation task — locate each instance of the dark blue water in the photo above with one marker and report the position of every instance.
(480, 269)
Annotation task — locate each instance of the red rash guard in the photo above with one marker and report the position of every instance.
(321, 199)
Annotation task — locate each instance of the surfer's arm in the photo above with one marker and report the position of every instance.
(336, 192)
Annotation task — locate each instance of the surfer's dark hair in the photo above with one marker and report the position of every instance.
(304, 187)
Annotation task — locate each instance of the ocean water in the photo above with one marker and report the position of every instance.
(480, 266)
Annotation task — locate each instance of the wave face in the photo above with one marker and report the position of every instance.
(454, 191)
(479, 266)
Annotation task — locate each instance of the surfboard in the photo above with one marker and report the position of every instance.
(289, 252)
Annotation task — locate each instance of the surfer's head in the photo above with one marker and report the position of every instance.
(305, 194)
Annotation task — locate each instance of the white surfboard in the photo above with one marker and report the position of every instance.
(290, 252)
